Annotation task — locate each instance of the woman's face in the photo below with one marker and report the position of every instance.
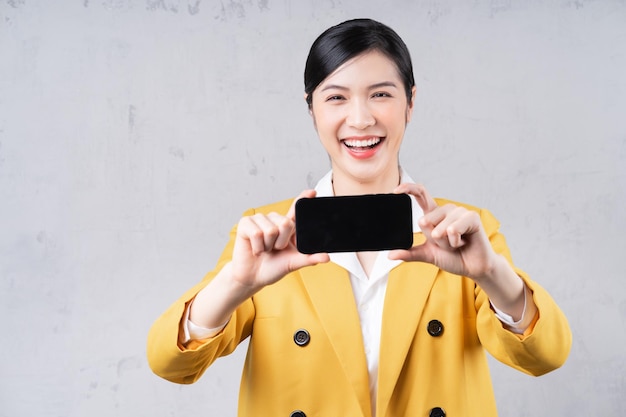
(360, 112)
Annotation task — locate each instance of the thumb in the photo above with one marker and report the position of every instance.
(415, 254)
(302, 260)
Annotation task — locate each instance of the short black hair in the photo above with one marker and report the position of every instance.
(342, 42)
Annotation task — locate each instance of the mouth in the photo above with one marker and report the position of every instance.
(360, 145)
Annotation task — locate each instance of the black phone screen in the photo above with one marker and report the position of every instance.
(354, 223)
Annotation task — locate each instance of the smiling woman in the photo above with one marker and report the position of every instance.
(382, 333)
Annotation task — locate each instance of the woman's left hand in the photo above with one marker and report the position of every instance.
(455, 238)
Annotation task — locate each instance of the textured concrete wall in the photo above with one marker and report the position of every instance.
(133, 133)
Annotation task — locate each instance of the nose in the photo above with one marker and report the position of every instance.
(359, 115)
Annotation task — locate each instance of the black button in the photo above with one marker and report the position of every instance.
(297, 413)
(437, 412)
(302, 338)
(435, 328)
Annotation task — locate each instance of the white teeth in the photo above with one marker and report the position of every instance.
(353, 143)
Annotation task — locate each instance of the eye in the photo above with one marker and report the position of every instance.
(334, 98)
(380, 94)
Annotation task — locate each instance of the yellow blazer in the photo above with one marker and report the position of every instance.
(420, 374)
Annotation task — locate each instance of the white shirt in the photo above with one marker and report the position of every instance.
(369, 292)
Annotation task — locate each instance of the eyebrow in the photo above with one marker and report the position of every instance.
(371, 87)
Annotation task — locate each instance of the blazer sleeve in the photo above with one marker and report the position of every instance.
(185, 364)
(545, 345)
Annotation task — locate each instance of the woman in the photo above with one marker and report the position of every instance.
(388, 333)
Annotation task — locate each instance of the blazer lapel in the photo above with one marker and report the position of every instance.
(331, 294)
(407, 291)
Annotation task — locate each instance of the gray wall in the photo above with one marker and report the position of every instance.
(133, 133)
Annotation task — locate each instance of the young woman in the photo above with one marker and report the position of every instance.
(388, 333)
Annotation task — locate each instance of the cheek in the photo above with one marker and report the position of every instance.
(326, 120)
(393, 118)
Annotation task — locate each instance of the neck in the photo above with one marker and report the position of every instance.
(346, 185)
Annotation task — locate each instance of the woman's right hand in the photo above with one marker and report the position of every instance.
(265, 249)
(264, 252)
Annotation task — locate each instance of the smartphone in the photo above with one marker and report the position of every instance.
(371, 222)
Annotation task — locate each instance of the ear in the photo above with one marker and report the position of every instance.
(409, 107)
(310, 106)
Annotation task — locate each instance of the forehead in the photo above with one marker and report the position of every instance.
(369, 68)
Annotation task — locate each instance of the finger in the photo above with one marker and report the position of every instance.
(441, 221)
(250, 231)
(302, 260)
(286, 228)
(423, 198)
(458, 222)
(269, 231)
(431, 225)
(304, 194)
(455, 239)
(415, 254)
(465, 225)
